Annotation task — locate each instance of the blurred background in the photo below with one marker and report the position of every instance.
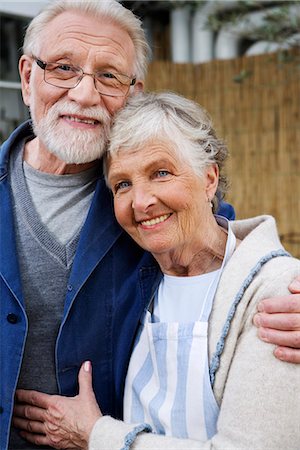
(240, 60)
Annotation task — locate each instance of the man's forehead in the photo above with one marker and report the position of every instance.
(76, 19)
(72, 31)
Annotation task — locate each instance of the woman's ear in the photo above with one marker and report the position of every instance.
(138, 87)
(25, 67)
(212, 180)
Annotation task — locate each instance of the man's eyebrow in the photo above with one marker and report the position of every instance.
(57, 57)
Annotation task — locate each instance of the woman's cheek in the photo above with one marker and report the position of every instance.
(122, 211)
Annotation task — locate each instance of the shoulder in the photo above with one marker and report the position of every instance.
(259, 268)
(23, 131)
(260, 258)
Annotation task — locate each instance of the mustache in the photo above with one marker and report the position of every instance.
(65, 107)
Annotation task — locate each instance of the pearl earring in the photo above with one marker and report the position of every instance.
(210, 202)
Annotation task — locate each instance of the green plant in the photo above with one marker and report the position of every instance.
(278, 24)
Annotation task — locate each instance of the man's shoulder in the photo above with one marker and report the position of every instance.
(226, 210)
(21, 132)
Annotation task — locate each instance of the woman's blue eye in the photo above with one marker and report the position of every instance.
(122, 185)
(162, 173)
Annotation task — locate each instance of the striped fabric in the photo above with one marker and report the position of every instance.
(167, 384)
(168, 391)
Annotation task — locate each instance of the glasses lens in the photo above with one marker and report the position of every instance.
(62, 75)
(112, 84)
(106, 83)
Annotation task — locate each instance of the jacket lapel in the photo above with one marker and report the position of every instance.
(98, 234)
(9, 266)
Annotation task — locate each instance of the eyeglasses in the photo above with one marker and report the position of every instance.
(68, 77)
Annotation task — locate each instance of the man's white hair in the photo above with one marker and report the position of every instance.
(111, 10)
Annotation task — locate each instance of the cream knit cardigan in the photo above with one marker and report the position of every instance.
(259, 396)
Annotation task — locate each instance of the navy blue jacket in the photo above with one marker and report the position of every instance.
(111, 282)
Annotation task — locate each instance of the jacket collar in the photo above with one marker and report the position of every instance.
(150, 276)
(98, 235)
(8, 260)
(23, 131)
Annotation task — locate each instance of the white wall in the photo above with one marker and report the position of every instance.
(22, 8)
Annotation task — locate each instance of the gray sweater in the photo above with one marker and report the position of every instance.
(259, 396)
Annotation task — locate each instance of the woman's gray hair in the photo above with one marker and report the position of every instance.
(183, 123)
(109, 9)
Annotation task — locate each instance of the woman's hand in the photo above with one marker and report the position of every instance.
(278, 322)
(61, 422)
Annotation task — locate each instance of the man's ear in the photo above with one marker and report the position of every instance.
(25, 66)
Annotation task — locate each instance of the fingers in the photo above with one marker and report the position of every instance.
(285, 304)
(41, 433)
(31, 430)
(33, 398)
(85, 380)
(30, 426)
(294, 287)
(49, 419)
(287, 354)
(39, 439)
(30, 420)
(278, 321)
(280, 338)
(36, 438)
(29, 412)
(61, 422)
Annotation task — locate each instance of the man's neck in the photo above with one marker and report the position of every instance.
(38, 157)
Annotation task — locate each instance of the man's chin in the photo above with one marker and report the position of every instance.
(72, 147)
(83, 155)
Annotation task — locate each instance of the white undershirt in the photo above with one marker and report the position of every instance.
(180, 299)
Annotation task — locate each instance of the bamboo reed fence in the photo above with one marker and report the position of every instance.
(255, 106)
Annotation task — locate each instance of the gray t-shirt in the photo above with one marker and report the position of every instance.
(61, 201)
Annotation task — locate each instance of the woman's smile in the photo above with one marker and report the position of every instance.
(150, 223)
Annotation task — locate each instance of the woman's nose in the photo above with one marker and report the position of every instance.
(143, 199)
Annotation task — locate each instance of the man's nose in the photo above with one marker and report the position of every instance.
(85, 93)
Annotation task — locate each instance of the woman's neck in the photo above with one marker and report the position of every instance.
(197, 258)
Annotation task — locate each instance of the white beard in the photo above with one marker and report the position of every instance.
(73, 146)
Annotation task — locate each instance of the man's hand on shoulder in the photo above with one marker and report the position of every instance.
(278, 322)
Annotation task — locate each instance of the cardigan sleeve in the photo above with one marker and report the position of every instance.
(111, 434)
(260, 407)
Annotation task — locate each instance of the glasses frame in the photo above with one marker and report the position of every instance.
(43, 65)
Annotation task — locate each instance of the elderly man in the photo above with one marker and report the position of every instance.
(69, 289)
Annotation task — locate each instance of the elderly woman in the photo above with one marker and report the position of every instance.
(198, 377)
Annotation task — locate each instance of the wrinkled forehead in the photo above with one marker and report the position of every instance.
(145, 153)
(81, 36)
